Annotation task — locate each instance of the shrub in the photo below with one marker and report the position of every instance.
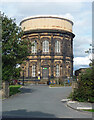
(85, 90)
(14, 89)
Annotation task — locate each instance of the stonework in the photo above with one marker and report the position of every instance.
(58, 60)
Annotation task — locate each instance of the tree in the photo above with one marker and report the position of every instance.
(14, 49)
(85, 90)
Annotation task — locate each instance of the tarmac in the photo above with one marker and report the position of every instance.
(80, 106)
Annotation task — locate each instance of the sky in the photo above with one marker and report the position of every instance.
(79, 12)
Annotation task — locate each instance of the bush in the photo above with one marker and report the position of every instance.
(79, 96)
(85, 90)
(14, 89)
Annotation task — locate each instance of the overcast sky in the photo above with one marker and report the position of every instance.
(79, 12)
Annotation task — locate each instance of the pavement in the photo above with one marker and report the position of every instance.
(0, 94)
(40, 101)
(79, 105)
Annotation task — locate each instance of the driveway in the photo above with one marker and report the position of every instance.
(40, 101)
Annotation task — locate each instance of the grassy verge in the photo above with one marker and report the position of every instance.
(56, 85)
(92, 110)
(14, 89)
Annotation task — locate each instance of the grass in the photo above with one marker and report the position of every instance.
(14, 89)
(56, 85)
(92, 110)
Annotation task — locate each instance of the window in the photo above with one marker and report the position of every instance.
(34, 47)
(45, 46)
(57, 46)
(33, 71)
(57, 71)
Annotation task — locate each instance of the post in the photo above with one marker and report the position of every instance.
(23, 77)
(57, 81)
(74, 86)
(5, 89)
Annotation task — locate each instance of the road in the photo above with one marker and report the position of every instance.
(40, 101)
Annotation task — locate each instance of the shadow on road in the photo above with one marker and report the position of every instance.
(30, 89)
(22, 113)
(26, 90)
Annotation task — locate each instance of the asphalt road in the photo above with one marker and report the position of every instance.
(40, 101)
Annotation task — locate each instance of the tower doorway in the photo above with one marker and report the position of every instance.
(45, 72)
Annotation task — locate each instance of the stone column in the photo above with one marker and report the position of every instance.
(39, 55)
(28, 68)
(52, 56)
(5, 89)
(61, 71)
(74, 86)
(71, 56)
(39, 66)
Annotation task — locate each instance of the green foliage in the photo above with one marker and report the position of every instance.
(92, 110)
(14, 49)
(16, 73)
(14, 89)
(85, 90)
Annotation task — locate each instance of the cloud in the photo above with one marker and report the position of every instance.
(82, 61)
(67, 16)
(33, 8)
(20, 10)
(81, 44)
(83, 32)
(83, 22)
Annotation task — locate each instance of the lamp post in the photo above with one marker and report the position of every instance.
(71, 79)
(68, 80)
(23, 75)
(91, 51)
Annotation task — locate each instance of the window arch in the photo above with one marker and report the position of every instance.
(33, 70)
(57, 46)
(45, 46)
(34, 47)
(57, 71)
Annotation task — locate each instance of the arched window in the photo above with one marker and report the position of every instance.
(57, 46)
(33, 71)
(34, 47)
(45, 46)
(57, 71)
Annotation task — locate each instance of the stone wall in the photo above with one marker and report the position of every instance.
(51, 59)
